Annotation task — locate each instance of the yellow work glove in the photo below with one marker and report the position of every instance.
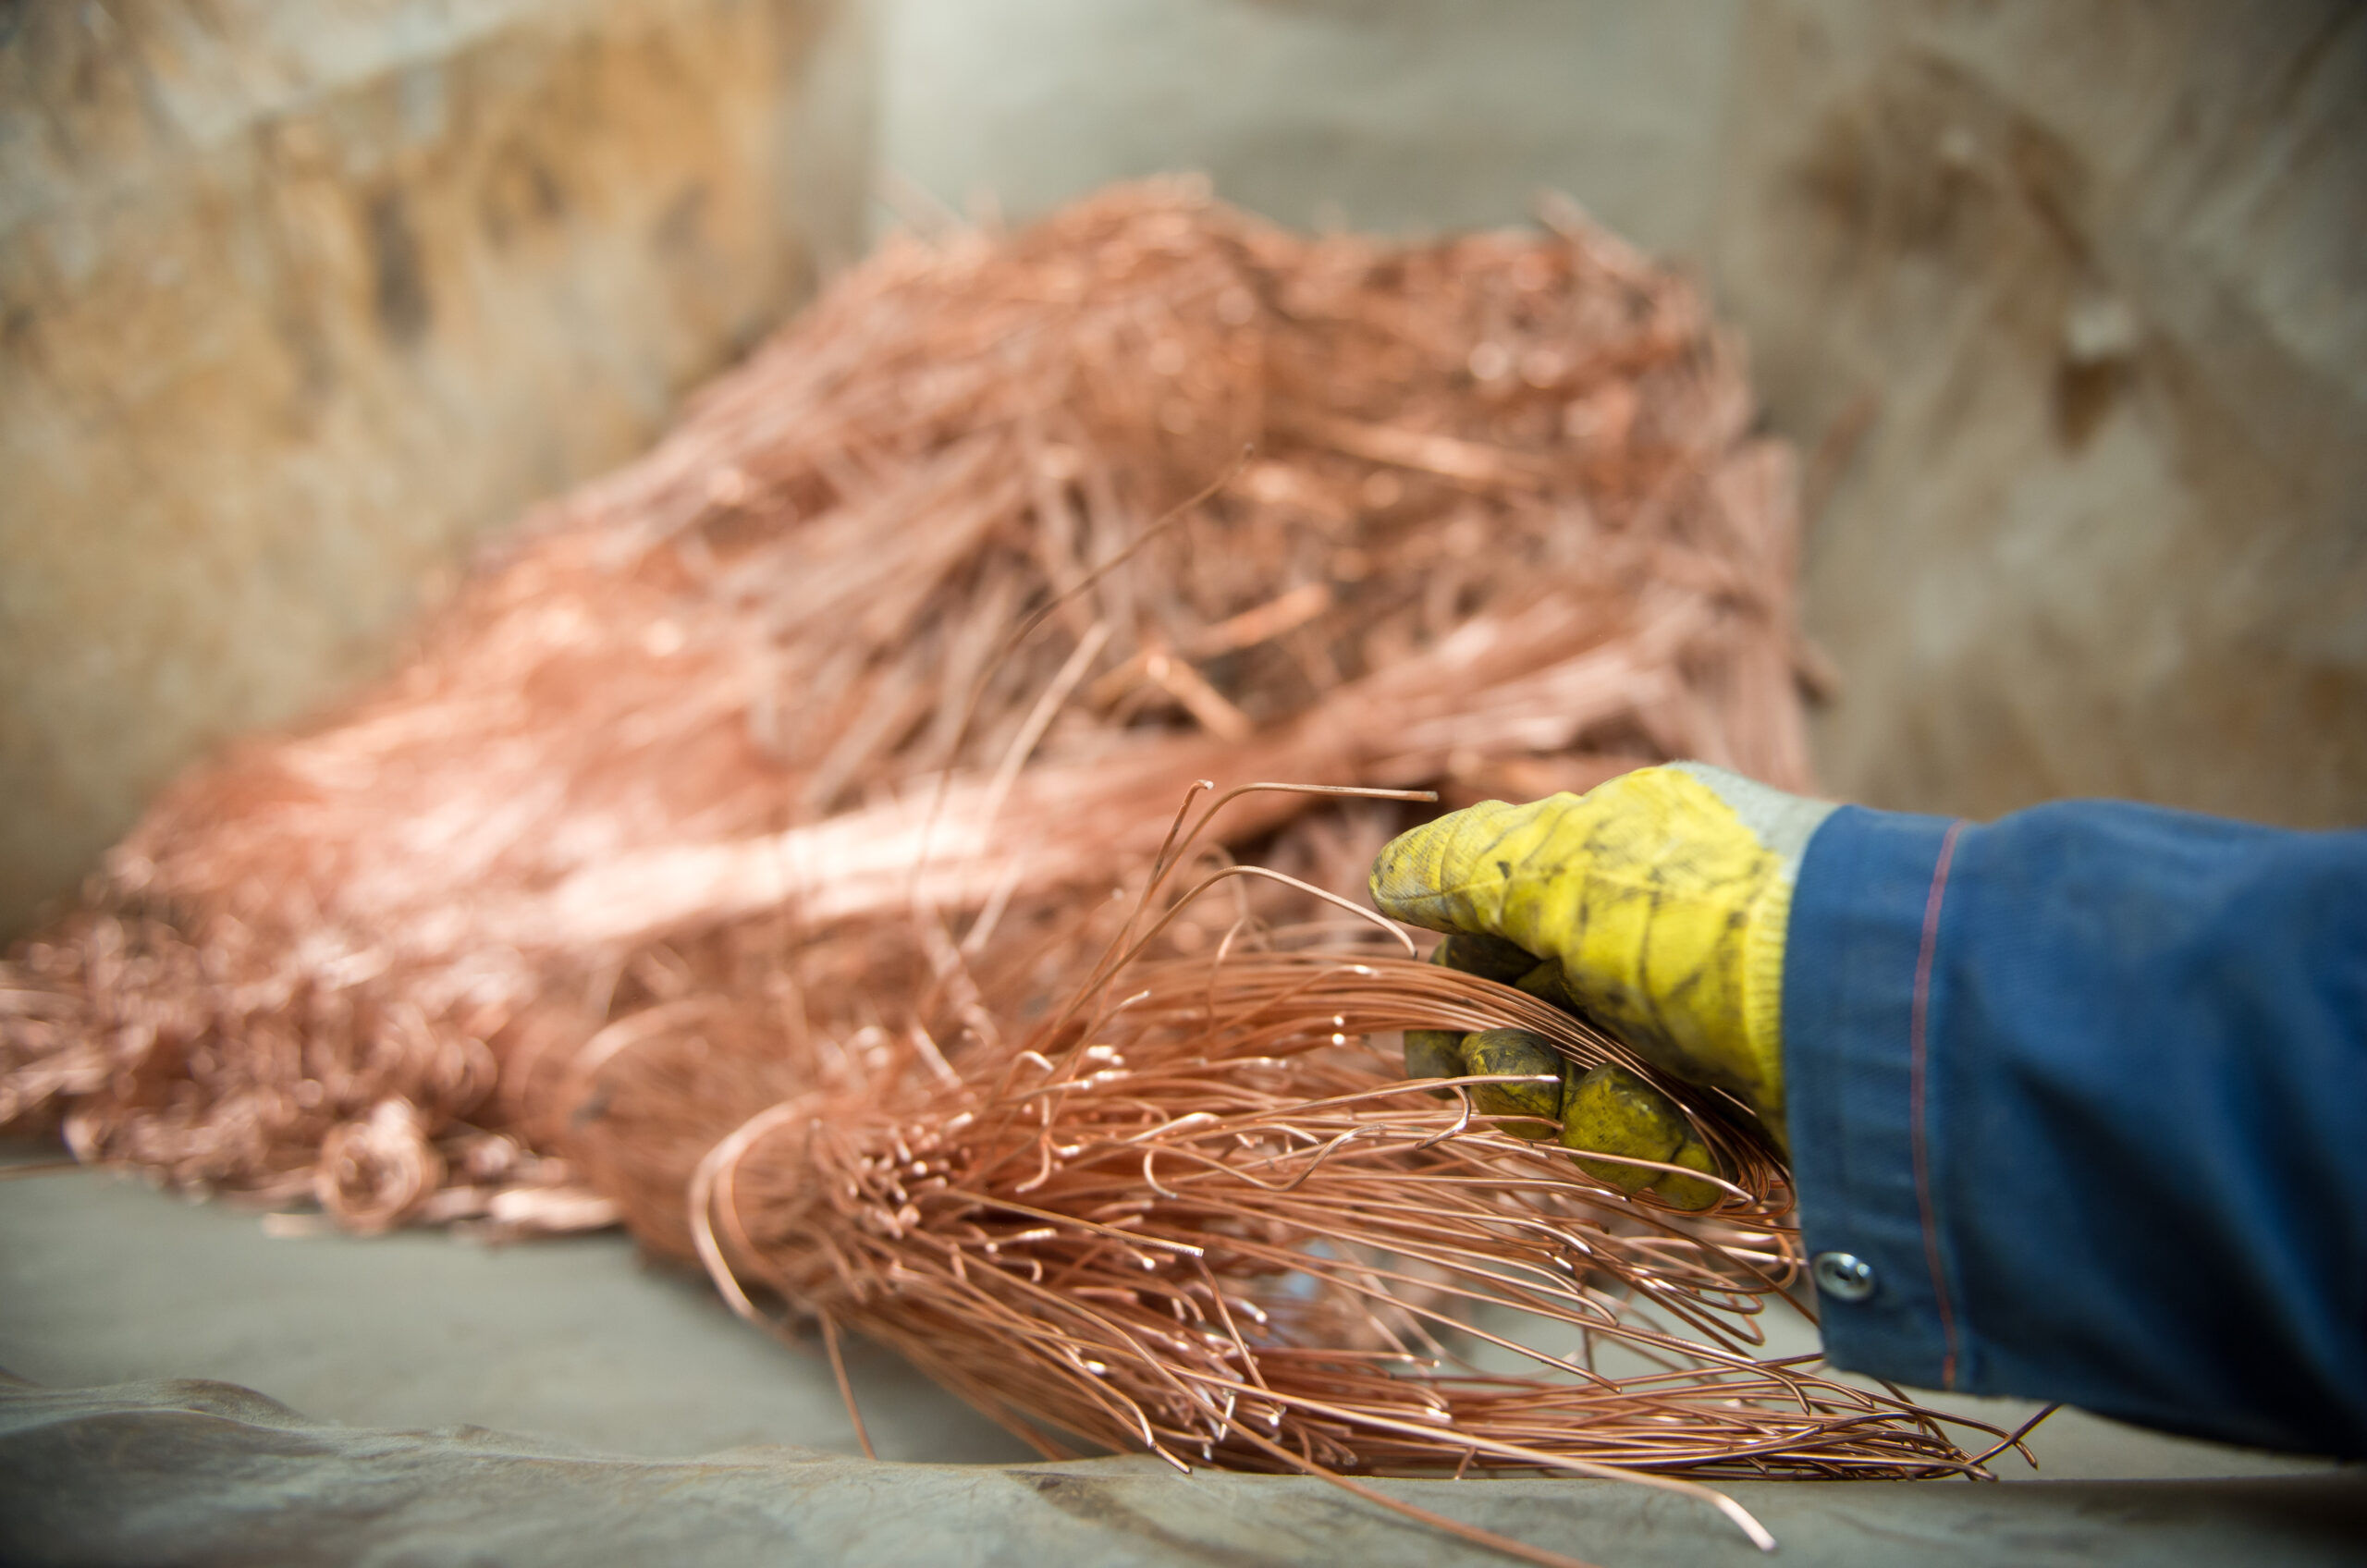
(1661, 901)
(1608, 1110)
(1438, 1053)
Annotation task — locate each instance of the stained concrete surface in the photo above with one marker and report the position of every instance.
(301, 297)
(103, 1281)
(201, 1473)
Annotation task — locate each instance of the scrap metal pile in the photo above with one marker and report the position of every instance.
(760, 848)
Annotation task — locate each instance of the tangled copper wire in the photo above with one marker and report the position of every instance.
(785, 775)
(1195, 1209)
(1505, 531)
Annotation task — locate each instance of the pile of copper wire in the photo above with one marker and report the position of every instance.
(735, 849)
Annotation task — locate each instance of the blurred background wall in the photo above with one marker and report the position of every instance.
(299, 297)
(2067, 306)
(2094, 279)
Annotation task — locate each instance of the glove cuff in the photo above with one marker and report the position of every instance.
(1764, 946)
(1783, 824)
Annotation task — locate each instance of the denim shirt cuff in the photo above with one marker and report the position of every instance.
(1857, 968)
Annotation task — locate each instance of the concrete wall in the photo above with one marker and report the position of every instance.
(1391, 114)
(2069, 302)
(300, 297)
(2097, 276)
(297, 298)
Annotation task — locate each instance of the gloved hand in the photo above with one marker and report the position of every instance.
(1657, 905)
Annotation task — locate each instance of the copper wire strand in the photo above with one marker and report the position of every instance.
(1123, 948)
(846, 1389)
(2014, 1440)
(1172, 517)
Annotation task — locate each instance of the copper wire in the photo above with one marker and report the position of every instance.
(769, 844)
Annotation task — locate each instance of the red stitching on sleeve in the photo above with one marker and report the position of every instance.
(1915, 1093)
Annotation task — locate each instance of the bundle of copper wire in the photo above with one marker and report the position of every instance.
(1196, 1210)
(735, 852)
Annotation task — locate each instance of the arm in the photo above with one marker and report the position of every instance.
(2077, 1103)
(2087, 1091)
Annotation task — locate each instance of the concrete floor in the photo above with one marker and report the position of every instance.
(409, 1346)
(102, 1281)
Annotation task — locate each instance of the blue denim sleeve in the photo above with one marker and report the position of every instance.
(2086, 1090)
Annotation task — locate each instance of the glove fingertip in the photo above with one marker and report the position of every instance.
(1417, 877)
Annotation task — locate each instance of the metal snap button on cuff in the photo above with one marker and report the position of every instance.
(1843, 1276)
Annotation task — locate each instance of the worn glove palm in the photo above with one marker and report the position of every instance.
(1659, 901)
